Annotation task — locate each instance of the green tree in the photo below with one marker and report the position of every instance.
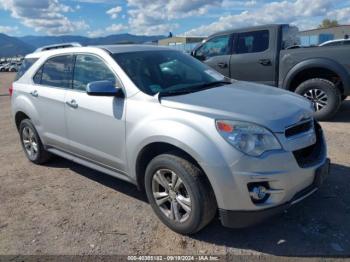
(327, 23)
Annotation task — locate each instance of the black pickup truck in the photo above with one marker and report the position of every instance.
(271, 55)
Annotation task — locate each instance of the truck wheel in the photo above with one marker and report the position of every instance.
(32, 144)
(179, 193)
(324, 95)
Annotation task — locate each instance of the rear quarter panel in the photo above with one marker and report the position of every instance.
(20, 102)
(337, 57)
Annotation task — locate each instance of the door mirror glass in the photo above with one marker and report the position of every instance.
(103, 88)
(200, 56)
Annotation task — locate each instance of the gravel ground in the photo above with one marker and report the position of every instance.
(65, 208)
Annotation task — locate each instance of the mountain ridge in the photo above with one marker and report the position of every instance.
(11, 46)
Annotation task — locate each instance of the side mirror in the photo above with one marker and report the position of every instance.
(198, 56)
(103, 88)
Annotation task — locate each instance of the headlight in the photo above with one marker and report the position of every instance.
(248, 138)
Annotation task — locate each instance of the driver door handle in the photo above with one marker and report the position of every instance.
(34, 93)
(265, 62)
(222, 65)
(72, 103)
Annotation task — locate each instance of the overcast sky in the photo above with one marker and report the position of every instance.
(150, 17)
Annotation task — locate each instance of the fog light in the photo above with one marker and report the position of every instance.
(258, 192)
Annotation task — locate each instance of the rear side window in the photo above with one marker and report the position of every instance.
(26, 64)
(56, 72)
(252, 42)
(89, 69)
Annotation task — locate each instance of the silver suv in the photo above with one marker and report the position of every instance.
(196, 142)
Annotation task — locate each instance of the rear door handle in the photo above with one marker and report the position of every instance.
(72, 103)
(222, 65)
(34, 93)
(265, 62)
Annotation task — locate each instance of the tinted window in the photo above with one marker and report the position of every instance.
(290, 36)
(214, 47)
(56, 72)
(252, 42)
(26, 64)
(90, 69)
(167, 71)
(38, 75)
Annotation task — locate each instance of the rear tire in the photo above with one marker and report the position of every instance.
(32, 144)
(189, 203)
(323, 94)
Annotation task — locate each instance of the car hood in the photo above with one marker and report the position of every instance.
(271, 107)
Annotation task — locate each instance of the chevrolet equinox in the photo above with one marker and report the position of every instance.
(197, 142)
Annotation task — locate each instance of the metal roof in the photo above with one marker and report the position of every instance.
(328, 28)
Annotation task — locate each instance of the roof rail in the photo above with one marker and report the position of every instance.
(57, 46)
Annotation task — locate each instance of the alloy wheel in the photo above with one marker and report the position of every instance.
(171, 195)
(30, 142)
(318, 97)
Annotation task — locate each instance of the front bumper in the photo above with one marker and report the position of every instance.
(241, 219)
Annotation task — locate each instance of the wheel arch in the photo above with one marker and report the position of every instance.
(23, 108)
(153, 149)
(318, 68)
(19, 117)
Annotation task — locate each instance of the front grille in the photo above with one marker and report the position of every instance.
(312, 154)
(299, 128)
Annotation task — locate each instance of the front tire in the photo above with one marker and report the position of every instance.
(324, 95)
(179, 193)
(32, 144)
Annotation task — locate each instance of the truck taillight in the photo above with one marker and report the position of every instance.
(11, 90)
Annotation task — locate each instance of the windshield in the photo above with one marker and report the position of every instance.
(168, 72)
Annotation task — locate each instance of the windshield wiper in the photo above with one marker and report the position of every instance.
(175, 92)
(209, 85)
(193, 89)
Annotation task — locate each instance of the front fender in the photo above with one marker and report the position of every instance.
(209, 150)
(325, 63)
(194, 142)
